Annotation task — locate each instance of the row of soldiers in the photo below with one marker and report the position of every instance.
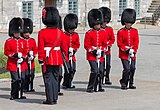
(57, 48)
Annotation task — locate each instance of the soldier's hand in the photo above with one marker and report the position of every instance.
(94, 52)
(30, 53)
(17, 55)
(31, 58)
(70, 51)
(131, 53)
(74, 51)
(41, 62)
(20, 60)
(127, 51)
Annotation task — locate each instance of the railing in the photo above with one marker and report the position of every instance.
(156, 15)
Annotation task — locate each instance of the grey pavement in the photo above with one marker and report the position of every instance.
(145, 97)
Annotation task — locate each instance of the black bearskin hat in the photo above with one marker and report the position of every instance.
(50, 17)
(27, 25)
(94, 17)
(128, 16)
(70, 21)
(60, 23)
(15, 26)
(106, 13)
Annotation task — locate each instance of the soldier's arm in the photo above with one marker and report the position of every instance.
(41, 51)
(7, 49)
(120, 42)
(35, 48)
(136, 41)
(87, 43)
(112, 38)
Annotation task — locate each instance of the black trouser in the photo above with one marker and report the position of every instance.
(128, 71)
(59, 78)
(51, 82)
(29, 77)
(107, 67)
(15, 84)
(69, 77)
(95, 75)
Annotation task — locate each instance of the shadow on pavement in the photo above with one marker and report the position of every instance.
(5, 96)
(112, 86)
(41, 86)
(80, 82)
(37, 101)
(75, 89)
(36, 93)
(5, 89)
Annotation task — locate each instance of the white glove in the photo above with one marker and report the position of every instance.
(19, 54)
(30, 53)
(31, 58)
(99, 51)
(20, 60)
(70, 51)
(131, 53)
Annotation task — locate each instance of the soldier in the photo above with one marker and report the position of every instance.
(60, 70)
(106, 12)
(51, 41)
(31, 53)
(128, 41)
(15, 50)
(95, 43)
(72, 38)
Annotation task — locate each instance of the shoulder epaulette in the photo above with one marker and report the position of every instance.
(9, 38)
(134, 28)
(102, 29)
(122, 28)
(89, 30)
(108, 27)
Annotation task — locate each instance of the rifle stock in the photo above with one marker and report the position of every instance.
(64, 62)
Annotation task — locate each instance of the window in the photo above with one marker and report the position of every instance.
(59, 3)
(27, 9)
(122, 6)
(137, 7)
(73, 6)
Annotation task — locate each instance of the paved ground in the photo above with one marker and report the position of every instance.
(145, 97)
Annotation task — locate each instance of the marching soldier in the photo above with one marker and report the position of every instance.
(51, 41)
(95, 43)
(106, 12)
(31, 53)
(128, 41)
(15, 50)
(72, 38)
(60, 76)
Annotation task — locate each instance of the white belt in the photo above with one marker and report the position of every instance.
(49, 48)
(96, 47)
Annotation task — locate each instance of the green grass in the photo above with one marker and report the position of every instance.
(5, 75)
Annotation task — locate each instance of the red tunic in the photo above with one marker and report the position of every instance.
(31, 46)
(12, 46)
(111, 38)
(95, 39)
(47, 38)
(72, 41)
(127, 38)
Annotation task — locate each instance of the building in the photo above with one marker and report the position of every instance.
(32, 9)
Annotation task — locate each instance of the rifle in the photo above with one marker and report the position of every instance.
(104, 72)
(20, 79)
(30, 72)
(65, 63)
